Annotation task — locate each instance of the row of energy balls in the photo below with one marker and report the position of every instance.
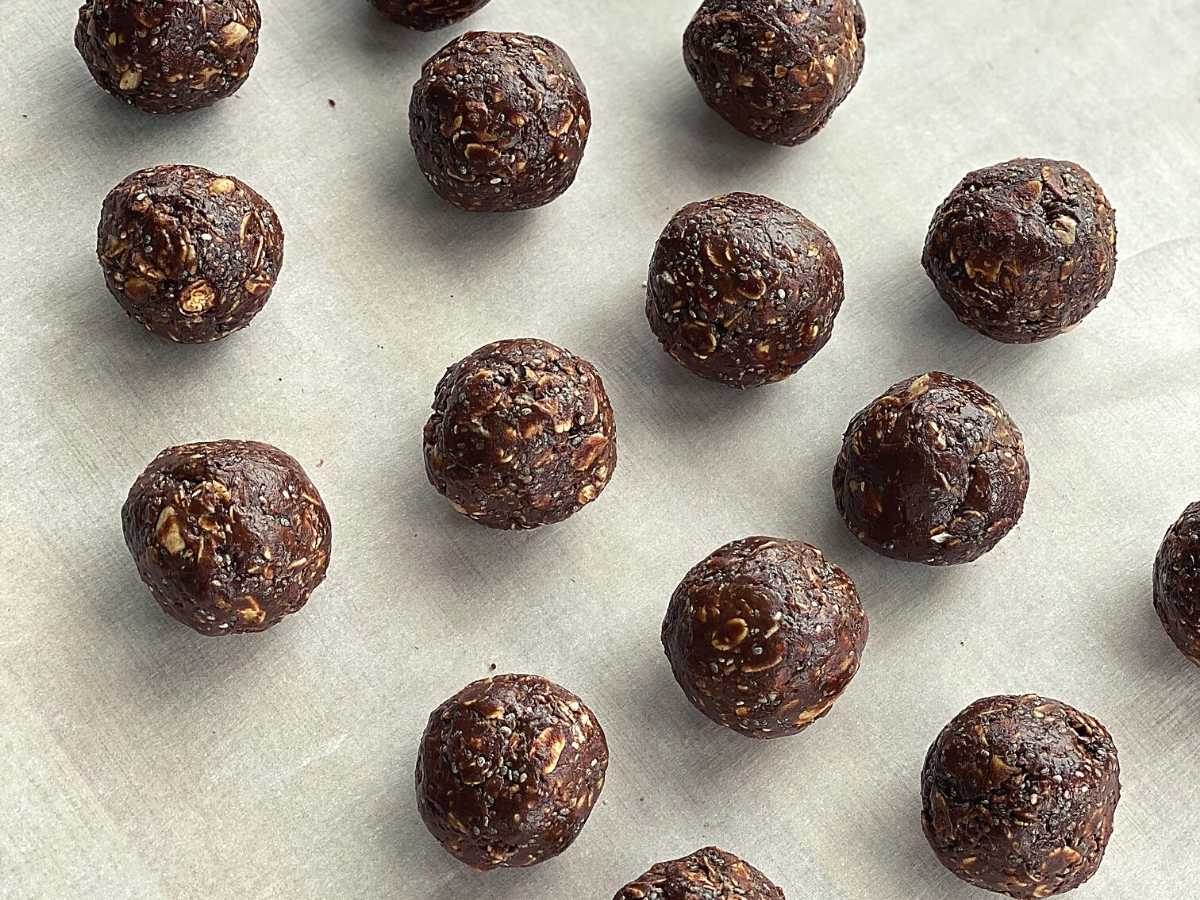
(765, 634)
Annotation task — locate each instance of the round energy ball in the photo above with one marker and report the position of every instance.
(168, 56)
(522, 435)
(1022, 251)
(776, 69)
(934, 471)
(1018, 796)
(428, 15)
(743, 290)
(764, 635)
(230, 536)
(708, 874)
(1177, 583)
(509, 770)
(190, 255)
(499, 121)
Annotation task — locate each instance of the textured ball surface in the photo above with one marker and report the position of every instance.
(1177, 583)
(230, 536)
(509, 770)
(1018, 796)
(776, 69)
(764, 635)
(522, 435)
(934, 471)
(708, 874)
(743, 290)
(428, 15)
(168, 56)
(191, 255)
(1024, 250)
(499, 121)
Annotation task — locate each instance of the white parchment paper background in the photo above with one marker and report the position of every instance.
(139, 760)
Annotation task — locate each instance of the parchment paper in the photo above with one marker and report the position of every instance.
(140, 760)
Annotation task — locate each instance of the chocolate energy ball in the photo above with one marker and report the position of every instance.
(428, 15)
(1018, 795)
(190, 255)
(1177, 583)
(499, 121)
(230, 536)
(776, 69)
(764, 635)
(708, 874)
(1022, 251)
(521, 435)
(743, 290)
(168, 56)
(509, 770)
(934, 471)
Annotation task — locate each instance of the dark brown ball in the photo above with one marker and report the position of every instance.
(764, 635)
(191, 255)
(1018, 796)
(509, 770)
(522, 435)
(708, 874)
(428, 15)
(776, 69)
(1177, 583)
(1022, 251)
(934, 471)
(499, 121)
(743, 290)
(168, 56)
(230, 536)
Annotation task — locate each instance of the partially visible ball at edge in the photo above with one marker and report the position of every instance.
(171, 56)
